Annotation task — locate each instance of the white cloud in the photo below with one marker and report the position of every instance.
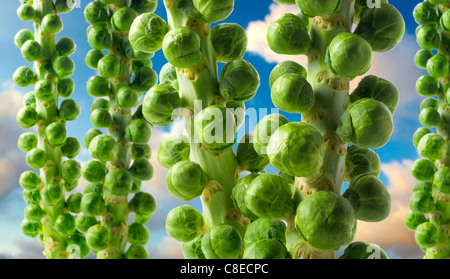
(168, 248)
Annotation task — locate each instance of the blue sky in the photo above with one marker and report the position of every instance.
(396, 66)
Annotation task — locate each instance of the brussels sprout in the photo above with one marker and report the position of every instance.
(229, 41)
(22, 36)
(69, 110)
(369, 198)
(30, 229)
(442, 179)
(56, 133)
(425, 13)
(215, 126)
(36, 158)
(269, 196)
(97, 237)
(429, 102)
(366, 123)
(65, 87)
(222, 242)
(94, 171)
(423, 169)
(29, 180)
(34, 213)
(168, 74)
(92, 204)
(79, 241)
(24, 77)
(70, 171)
(265, 249)
(140, 151)
(64, 67)
(382, 27)
(248, 158)
(99, 37)
(52, 194)
(378, 89)
(360, 161)
(74, 203)
(109, 66)
(418, 134)
(147, 33)
(27, 117)
(322, 8)
(239, 81)
(264, 131)
(29, 100)
(287, 34)
(96, 13)
(65, 224)
(193, 249)
(93, 57)
(238, 110)
(238, 195)
(144, 79)
(123, 18)
(119, 181)
(422, 202)
(423, 186)
(292, 93)
(65, 47)
(101, 104)
(285, 2)
(32, 196)
(363, 251)
(101, 118)
(286, 67)
(296, 149)
(413, 220)
(98, 86)
(138, 131)
(141, 169)
(445, 20)
(326, 220)
(172, 150)
(143, 203)
(51, 24)
(186, 180)
(64, 6)
(437, 66)
(184, 223)
(144, 6)
(45, 90)
(126, 97)
(421, 58)
(26, 12)
(430, 117)
(432, 146)
(83, 222)
(182, 47)
(90, 135)
(428, 37)
(212, 10)
(426, 235)
(159, 104)
(27, 141)
(32, 51)
(103, 148)
(137, 234)
(263, 228)
(349, 55)
(137, 251)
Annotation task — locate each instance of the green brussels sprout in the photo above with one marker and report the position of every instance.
(445, 20)
(184, 223)
(229, 41)
(44, 90)
(382, 27)
(34, 213)
(97, 237)
(98, 86)
(363, 251)
(101, 104)
(413, 220)
(263, 228)
(422, 202)
(36, 158)
(96, 13)
(182, 47)
(94, 188)
(429, 102)
(292, 93)
(426, 235)
(140, 151)
(423, 169)
(83, 222)
(442, 179)
(93, 57)
(222, 242)
(418, 134)
(27, 141)
(425, 13)
(65, 87)
(144, 79)
(90, 135)
(215, 126)
(137, 251)
(29, 100)
(366, 123)
(94, 171)
(193, 249)
(144, 6)
(323, 8)
(265, 249)
(109, 66)
(349, 55)
(52, 194)
(432, 146)
(65, 224)
(56, 133)
(65, 47)
(32, 196)
(27, 117)
(264, 131)
(64, 6)
(138, 131)
(24, 76)
(437, 66)
(74, 203)
(29, 180)
(99, 37)
(70, 186)
(103, 148)
(123, 18)
(269, 196)
(186, 180)
(30, 229)
(168, 74)
(421, 58)
(32, 51)
(22, 36)
(369, 198)
(51, 24)
(378, 89)
(78, 241)
(92, 204)
(238, 195)
(70, 170)
(173, 149)
(126, 97)
(326, 220)
(239, 81)
(428, 37)
(287, 34)
(360, 161)
(296, 149)
(137, 234)
(285, 2)
(69, 110)
(141, 169)
(143, 203)
(159, 104)
(248, 158)
(63, 66)
(101, 118)
(430, 117)
(212, 10)
(423, 186)
(238, 110)
(119, 181)
(286, 67)
(26, 12)
(147, 33)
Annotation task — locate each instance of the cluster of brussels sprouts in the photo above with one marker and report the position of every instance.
(120, 158)
(429, 203)
(313, 156)
(48, 212)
